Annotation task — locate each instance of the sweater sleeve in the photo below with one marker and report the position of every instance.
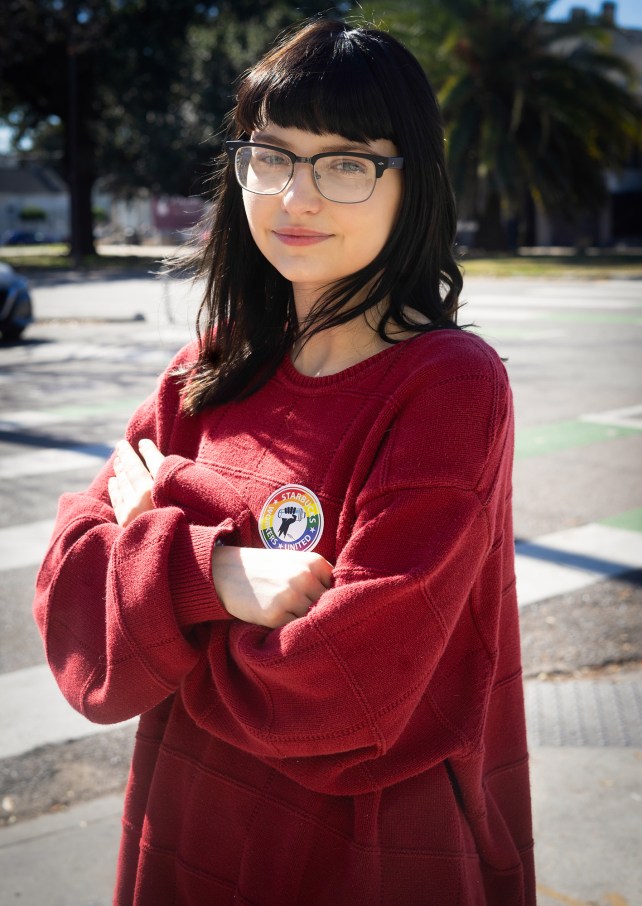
(390, 671)
(113, 605)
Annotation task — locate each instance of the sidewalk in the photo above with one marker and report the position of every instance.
(587, 802)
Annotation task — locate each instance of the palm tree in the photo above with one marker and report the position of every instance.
(535, 111)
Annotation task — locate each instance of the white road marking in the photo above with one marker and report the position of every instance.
(554, 300)
(503, 313)
(80, 352)
(24, 545)
(494, 332)
(20, 420)
(572, 559)
(29, 418)
(48, 461)
(628, 417)
(34, 713)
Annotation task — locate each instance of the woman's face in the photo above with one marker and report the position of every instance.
(312, 241)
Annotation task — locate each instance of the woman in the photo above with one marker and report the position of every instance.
(304, 583)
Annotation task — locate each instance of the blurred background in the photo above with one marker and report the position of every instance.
(111, 115)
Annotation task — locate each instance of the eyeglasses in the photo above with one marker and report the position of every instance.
(347, 177)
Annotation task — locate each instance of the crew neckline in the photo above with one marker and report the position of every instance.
(288, 369)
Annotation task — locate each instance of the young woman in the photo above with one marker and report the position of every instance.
(298, 568)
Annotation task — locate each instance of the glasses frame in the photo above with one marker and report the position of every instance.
(381, 163)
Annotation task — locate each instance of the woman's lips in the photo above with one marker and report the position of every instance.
(300, 236)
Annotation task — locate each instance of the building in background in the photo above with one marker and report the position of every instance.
(35, 207)
(34, 200)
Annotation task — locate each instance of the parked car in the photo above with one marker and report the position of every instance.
(24, 237)
(16, 310)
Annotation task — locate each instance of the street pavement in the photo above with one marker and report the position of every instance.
(573, 353)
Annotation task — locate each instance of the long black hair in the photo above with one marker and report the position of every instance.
(361, 83)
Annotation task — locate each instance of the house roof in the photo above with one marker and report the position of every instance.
(30, 179)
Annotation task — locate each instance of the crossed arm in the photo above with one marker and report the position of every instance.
(268, 588)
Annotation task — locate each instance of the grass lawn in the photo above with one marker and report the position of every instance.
(36, 258)
(585, 267)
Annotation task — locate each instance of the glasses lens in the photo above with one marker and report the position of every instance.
(262, 170)
(345, 179)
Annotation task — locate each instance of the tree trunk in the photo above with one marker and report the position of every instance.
(82, 220)
(80, 156)
(492, 235)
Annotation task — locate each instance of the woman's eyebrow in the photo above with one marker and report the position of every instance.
(342, 146)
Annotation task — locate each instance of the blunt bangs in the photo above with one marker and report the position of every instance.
(326, 84)
(362, 84)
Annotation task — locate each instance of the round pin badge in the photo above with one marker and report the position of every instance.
(291, 519)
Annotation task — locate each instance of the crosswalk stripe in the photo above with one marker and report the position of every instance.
(49, 461)
(34, 713)
(501, 313)
(629, 417)
(572, 559)
(500, 333)
(30, 418)
(483, 304)
(24, 545)
(20, 420)
(108, 352)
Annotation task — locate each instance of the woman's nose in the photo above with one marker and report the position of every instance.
(301, 192)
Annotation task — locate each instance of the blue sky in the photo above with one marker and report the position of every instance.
(628, 13)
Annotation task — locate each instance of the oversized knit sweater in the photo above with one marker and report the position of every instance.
(371, 752)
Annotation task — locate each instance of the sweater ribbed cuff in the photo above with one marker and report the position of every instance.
(190, 574)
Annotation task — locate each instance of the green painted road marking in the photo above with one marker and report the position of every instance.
(596, 317)
(540, 440)
(80, 413)
(630, 519)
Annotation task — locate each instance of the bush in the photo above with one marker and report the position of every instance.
(33, 214)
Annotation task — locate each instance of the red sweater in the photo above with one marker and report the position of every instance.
(372, 752)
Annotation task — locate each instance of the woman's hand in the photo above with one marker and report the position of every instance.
(130, 489)
(268, 588)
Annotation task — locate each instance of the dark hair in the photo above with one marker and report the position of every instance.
(327, 77)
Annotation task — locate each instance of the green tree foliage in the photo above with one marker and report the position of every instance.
(130, 90)
(534, 110)
(166, 96)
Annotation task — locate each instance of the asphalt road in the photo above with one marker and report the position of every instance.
(572, 350)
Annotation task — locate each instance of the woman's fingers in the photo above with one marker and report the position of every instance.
(132, 466)
(130, 489)
(151, 454)
(320, 568)
(113, 487)
(308, 585)
(269, 588)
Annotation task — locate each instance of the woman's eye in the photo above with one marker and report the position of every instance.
(270, 159)
(349, 166)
